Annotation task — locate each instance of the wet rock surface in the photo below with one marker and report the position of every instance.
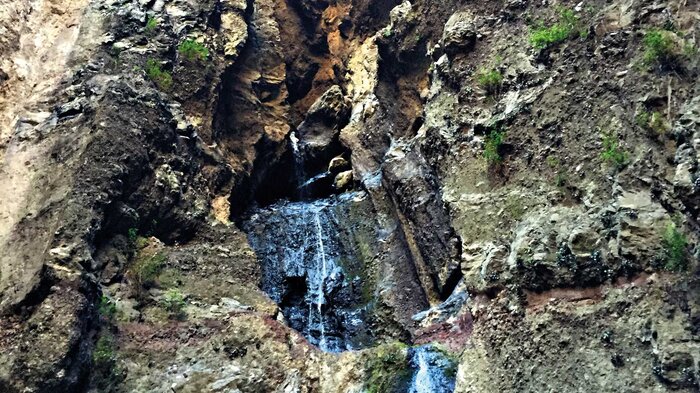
(349, 196)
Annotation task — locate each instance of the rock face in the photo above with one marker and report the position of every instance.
(228, 195)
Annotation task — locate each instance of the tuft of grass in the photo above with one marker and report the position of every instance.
(106, 308)
(659, 47)
(104, 353)
(387, 369)
(653, 121)
(174, 303)
(132, 234)
(552, 161)
(146, 270)
(163, 79)
(567, 26)
(492, 145)
(151, 25)
(193, 50)
(490, 80)
(675, 249)
(612, 152)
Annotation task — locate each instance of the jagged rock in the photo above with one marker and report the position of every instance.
(343, 180)
(318, 133)
(459, 34)
(338, 164)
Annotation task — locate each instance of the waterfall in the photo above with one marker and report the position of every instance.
(434, 371)
(310, 262)
(321, 296)
(423, 381)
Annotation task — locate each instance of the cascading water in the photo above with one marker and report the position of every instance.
(433, 372)
(315, 255)
(310, 265)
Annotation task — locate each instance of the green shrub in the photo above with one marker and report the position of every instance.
(490, 80)
(659, 47)
(106, 308)
(132, 234)
(675, 249)
(161, 78)
(193, 50)
(612, 152)
(146, 269)
(492, 145)
(387, 369)
(642, 118)
(151, 25)
(653, 121)
(552, 161)
(104, 352)
(567, 26)
(560, 180)
(658, 124)
(174, 303)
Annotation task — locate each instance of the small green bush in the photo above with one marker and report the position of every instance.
(659, 47)
(162, 78)
(193, 50)
(653, 121)
(132, 234)
(490, 80)
(387, 369)
(106, 308)
(568, 26)
(492, 146)
(146, 270)
(552, 161)
(675, 249)
(174, 303)
(151, 25)
(612, 152)
(104, 352)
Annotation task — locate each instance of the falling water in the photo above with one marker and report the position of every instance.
(301, 247)
(422, 382)
(433, 371)
(321, 296)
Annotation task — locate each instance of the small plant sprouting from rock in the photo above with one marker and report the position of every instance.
(106, 308)
(132, 234)
(568, 26)
(193, 50)
(490, 80)
(612, 152)
(174, 303)
(653, 121)
(492, 145)
(659, 48)
(675, 249)
(104, 353)
(146, 270)
(106, 373)
(151, 25)
(162, 78)
(387, 369)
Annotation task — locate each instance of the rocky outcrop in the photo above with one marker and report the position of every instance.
(492, 197)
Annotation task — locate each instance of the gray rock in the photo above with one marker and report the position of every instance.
(459, 34)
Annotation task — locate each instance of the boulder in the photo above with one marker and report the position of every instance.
(459, 34)
(343, 180)
(338, 164)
